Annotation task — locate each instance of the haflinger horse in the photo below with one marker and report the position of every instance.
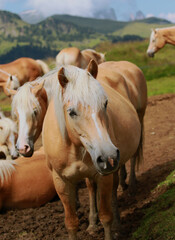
(73, 56)
(53, 76)
(25, 183)
(127, 79)
(93, 136)
(159, 37)
(29, 106)
(16, 73)
(8, 134)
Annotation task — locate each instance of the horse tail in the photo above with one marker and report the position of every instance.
(43, 66)
(7, 167)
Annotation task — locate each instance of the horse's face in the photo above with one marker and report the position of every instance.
(29, 121)
(157, 42)
(88, 126)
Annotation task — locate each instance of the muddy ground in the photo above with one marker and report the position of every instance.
(47, 222)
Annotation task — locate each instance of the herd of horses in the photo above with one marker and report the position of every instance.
(91, 116)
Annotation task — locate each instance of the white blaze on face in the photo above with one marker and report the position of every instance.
(23, 129)
(96, 125)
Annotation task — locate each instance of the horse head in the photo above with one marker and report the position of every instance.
(157, 42)
(86, 120)
(28, 110)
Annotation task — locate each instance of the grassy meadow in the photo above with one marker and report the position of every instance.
(159, 218)
(158, 71)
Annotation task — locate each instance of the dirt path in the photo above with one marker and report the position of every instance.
(47, 222)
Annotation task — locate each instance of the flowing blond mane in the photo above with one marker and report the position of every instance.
(7, 125)
(7, 167)
(25, 99)
(84, 89)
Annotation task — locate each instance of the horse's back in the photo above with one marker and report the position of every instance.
(26, 69)
(128, 79)
(89, 54)
(69, 56)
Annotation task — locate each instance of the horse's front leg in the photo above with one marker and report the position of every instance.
(91, 185)
(104, 198)
(66, 192)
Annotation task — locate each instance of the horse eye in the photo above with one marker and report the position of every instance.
(106, 103)
(72, 113)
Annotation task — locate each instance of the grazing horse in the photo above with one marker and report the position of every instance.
(16, 73)
(8, 133)
(25, 183)
(130, 82)
(94, 140)
(73, 56)
(159, 37)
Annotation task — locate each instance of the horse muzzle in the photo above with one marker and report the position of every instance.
(107, 165)
(150, 53)
(26, 151)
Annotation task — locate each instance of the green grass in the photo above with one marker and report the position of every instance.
(158, 222)
(161, 86)
(162, 65)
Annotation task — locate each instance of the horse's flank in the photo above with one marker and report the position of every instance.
(21, 70)
(25, 182)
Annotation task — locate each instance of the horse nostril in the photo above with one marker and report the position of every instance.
(27, 148)
(101, 162)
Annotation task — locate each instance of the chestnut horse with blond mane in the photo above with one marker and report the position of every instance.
(112, 81)
(159, 37)
(16, 73)
(73, 56)
(25, 183)
(94, 140)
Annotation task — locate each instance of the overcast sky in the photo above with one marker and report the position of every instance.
(123, 8)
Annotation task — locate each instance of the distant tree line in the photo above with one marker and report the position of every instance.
(125, 38)
(27, 51)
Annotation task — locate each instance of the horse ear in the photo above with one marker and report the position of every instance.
(62, 78)
(36, 90)
(92, 68)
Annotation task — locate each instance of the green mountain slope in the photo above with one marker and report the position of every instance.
(60, 31)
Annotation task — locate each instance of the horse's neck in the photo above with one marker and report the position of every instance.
(169, 35)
